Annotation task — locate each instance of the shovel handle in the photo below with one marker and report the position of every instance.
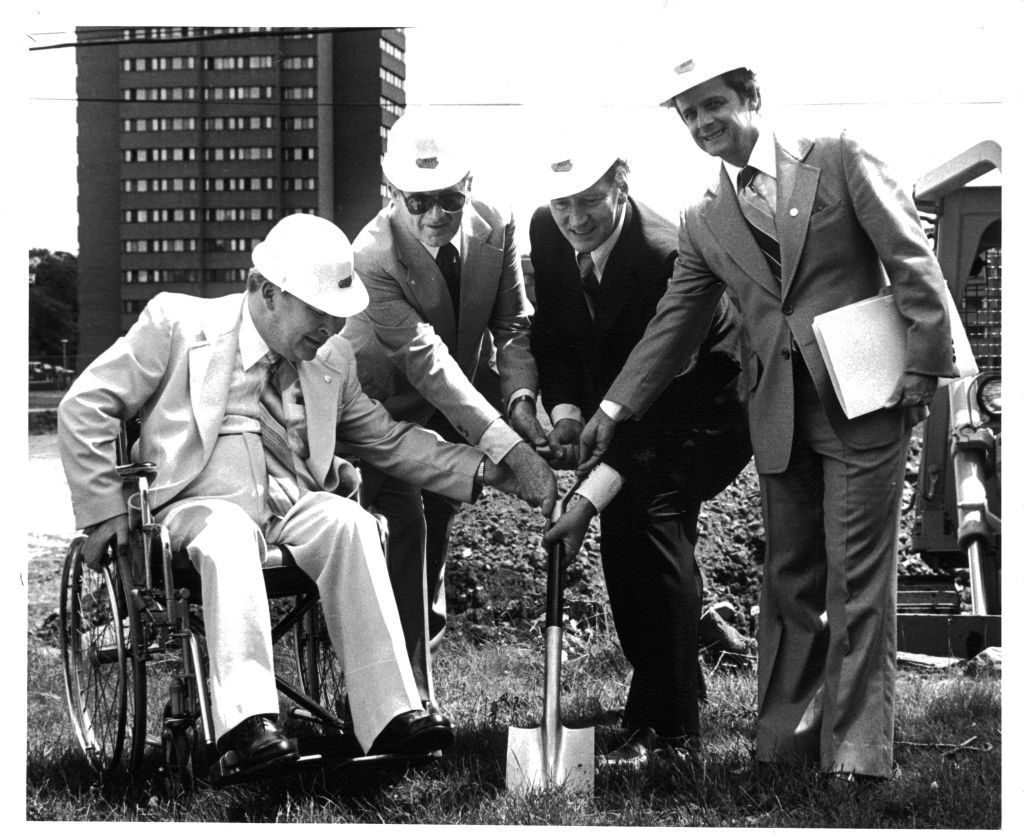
(556, 564)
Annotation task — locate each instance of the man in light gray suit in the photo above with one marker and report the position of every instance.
(793, 228)
(444, 342)
(214, 382)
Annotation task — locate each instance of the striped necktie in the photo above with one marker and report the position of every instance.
(756, 193)
(588, 278)
(283, 421)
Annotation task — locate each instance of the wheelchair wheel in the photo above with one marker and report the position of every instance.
(105, 678)
(320, 673)
(179, 751)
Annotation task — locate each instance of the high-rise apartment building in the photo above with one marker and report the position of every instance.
(193, 142)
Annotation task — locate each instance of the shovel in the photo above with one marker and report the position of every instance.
(551, 755)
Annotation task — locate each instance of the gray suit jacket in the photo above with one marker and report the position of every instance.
(844, 227)
(409, 354)
(174, 368)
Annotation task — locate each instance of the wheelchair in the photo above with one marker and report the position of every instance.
(133, 650)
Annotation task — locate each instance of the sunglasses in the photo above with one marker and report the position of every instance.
(419, 203)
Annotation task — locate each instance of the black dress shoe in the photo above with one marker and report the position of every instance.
(414, 732)
(258, 743)
(644, 745)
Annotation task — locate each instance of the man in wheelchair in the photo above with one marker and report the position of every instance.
(243, 402)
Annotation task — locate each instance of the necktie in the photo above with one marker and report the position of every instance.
(756, 193)
(283, 421)
(588, 279)
(448, 261)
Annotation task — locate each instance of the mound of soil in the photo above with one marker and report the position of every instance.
(496, 574)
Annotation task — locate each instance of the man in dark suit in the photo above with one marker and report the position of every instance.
(795, 228)
(688, 447)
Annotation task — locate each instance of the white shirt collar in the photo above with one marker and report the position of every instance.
(456, 242)
(762, 156)
(251, 345)
(603, 251)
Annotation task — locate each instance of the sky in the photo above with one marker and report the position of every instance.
(917, 89)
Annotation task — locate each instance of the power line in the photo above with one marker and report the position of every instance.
(269, 32)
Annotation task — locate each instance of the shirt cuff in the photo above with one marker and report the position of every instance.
(601, 486)
(498, 440)
(522, 391)
(566, 411)
(616, 412)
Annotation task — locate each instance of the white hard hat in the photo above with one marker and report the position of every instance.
(578, 157)
(422, 155)
(311, 258)
(691, 72)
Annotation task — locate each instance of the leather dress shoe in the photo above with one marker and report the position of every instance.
(643, 746)
(258, 743)
(414, 732)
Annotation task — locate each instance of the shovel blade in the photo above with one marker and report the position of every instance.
(536, 763)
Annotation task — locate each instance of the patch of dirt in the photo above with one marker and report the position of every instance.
(496, 573)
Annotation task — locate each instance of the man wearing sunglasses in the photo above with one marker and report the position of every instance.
(444, 343)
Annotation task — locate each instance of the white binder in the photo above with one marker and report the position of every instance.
(864, 346)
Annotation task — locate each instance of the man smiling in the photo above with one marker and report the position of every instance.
(601, 261)
(795, 227)
(445, 343)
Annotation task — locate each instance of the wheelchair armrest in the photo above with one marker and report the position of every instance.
(134, 470)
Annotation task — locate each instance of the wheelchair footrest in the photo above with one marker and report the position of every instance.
(226, 771)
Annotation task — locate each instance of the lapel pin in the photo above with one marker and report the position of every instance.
(327, 379)
(794, 211)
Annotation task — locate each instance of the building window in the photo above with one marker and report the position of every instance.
(237, 93)
(390, 49)
(298, 62)
(238, 123)
(392, 78)
(293, 94)
(299, 153)
(298, 123)
(298, 184)
(237, 184)
(238, 62)
(239, 153)
(391, 106)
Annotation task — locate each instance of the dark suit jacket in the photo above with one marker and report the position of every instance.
(696, 431)
(844, 227)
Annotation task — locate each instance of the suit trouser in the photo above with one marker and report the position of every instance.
(827, 625)
(655, 591)
(419, 526)
(337, 544)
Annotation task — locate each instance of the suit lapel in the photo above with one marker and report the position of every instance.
(211, 361)
(726, 222)
(478, 280)
(797, 185)
(617, 283)
(320, 386)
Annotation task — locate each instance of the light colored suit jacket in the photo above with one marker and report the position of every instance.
(174, 368)
(410, 355)
(844, 227)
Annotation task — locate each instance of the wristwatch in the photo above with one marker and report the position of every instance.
(517, 399)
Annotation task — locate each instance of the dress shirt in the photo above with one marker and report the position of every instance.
(762, 157)
(603, 482)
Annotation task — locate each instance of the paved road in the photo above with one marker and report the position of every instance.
(50, 514)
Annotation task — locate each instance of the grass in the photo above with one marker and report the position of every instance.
(488, 687)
